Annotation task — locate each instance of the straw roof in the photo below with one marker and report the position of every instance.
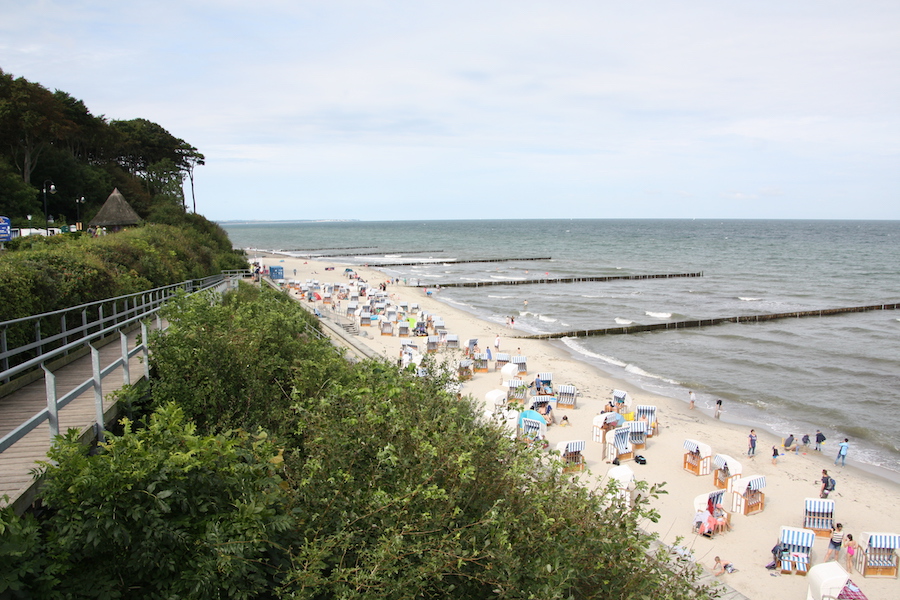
(116, 212)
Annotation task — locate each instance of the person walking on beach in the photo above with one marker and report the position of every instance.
(751, 450)
(834, 544)
(774, 455)
(827, 485)
(843, 448)
(693, 398)
(497, 343)
(820, 438)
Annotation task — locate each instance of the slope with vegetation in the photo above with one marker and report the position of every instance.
(270, 467)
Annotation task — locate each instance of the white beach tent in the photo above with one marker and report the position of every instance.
(496, 400)
(826, 581)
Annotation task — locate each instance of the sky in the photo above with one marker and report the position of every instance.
(392, 110)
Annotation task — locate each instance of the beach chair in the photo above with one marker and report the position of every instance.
(877, 554)
(481, 362)
(403, 329)
(647, 413)
(326, 298)
(701, 503)
(571, 454)
(546, 384)
(452, 341)
(540, 402)
(828, 581)
(601, 424)
(533, 431)
(746, 495)
(464, 370)
(698, 458)
(618, 445)
(496, 399)
(500, 360)
(521, 363)
(638, 434)
(351, 308)
(517, 390)
(623, 478)
(387, 328)
(796, 546)
(431, 343)
(621, 401)
(566, 395)
(727, 470)
(818, 515)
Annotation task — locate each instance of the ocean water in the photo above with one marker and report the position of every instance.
(840, 374)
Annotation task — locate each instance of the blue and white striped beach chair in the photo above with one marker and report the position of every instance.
(619, 444)
(698, 458)
(500, 360)
(638, 433)
(432, 342)
(566, 395)
(571, 454)
(648, 413)
(516, 389)
(620, 400)
(796, 546)
(481, 362)
(747, 497)
(532, 430)
(877, 554)
(452, 341)
(727, 470)
(546, 384)
(521, 362)
(818, 515)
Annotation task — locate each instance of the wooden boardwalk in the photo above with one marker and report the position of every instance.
(17, 462)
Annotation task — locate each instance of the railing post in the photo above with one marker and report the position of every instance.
(52, 408)
(98, 392)
(126, 368)
(3, 351)
(62, 324)
(37, 336)
(145, 349)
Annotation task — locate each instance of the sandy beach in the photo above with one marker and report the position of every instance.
(863, 502)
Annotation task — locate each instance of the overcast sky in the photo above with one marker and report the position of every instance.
(382, 110)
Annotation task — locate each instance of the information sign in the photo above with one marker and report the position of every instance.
(5, 233)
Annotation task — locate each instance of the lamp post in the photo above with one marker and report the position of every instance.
(78, 213)
(52, 189)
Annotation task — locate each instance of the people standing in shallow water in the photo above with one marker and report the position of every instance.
(820, 439)
(693, 398)
(843, 448)
(718, 408)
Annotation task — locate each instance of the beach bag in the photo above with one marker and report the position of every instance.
(829, 485)
(640, 460)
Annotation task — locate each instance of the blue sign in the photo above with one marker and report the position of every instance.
(5, 233)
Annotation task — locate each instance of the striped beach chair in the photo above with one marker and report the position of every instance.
(516, 389)
(452, 341)
(638, 433)
(464, 370)
(571, 454)
(546, 383)
(701, 502)
(351, 308)
(566, 395)
(877, 554)
(727, 470)
(365, 317)
(532, 430)
(747, 496)
(387, 327)
(403, 329)
(621, 400)
(796, 546)
(431, 343)
(698, 458)
(818, 515)
(500, 360)
(521, 362)
(481, 362)
(601, 424)
(647, 413)
(618, 444)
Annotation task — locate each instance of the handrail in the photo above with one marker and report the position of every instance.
(93, 316)
(55, 404)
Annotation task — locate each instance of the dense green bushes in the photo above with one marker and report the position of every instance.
(385, 486)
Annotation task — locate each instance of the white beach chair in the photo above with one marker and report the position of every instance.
(571, 455)
(698, 458)
(727, 470)
(747, 497)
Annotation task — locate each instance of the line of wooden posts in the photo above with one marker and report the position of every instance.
(706, 322)
(476, 284)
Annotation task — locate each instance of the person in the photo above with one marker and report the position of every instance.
(820, 438)
(723, 566)
(693, 398)
(538, 385)
(834, 543)
(805, 443)
(751, 450)
(774, 455)
(827, 484)
(721, 517)
(789, 443)
(718, 408)
(852, 546)
(497, 343)
(843, 447)
(546, 412)
(565, 421)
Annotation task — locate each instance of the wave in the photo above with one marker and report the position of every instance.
(658, 315)
(574, 345)
(749, 299)
(635, 370)
(622, 321)
(457, 302)
(500, 297)
(546, 319)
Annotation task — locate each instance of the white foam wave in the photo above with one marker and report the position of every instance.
(622, 321)
(749, 299)
(658, 315)
(574, 345)
(639, 371)
(457, 302)
(500, 297)
(546, 319)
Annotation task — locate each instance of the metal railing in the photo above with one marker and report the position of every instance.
(135, 310)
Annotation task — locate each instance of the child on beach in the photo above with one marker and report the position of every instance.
(851, 545)
(722, 566)
(774, 455)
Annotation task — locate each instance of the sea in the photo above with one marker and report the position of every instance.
(839, 373)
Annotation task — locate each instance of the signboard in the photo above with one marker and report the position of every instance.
(5, 233)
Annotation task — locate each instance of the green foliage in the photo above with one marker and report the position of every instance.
(165, 513)
(232, 363)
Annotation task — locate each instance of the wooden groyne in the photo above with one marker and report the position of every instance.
(384, 252)
(707, 322)
(476, 284)
(460, 262)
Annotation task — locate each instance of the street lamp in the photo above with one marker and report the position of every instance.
(78, 213)
(52, 190)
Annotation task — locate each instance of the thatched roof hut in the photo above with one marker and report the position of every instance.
(116, 213)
